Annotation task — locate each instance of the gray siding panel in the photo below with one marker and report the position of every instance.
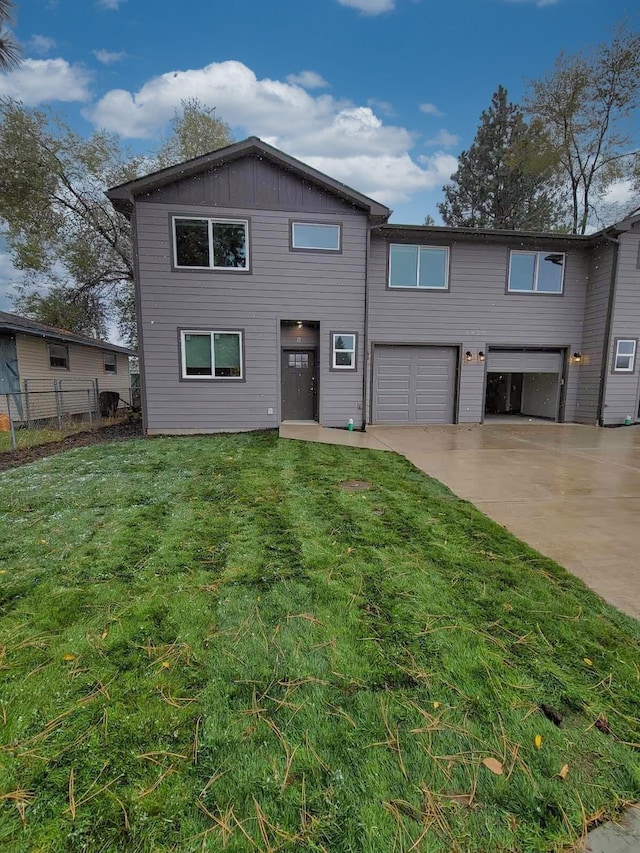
(250, 183)
(282, 285)
(592, 368)
(622, 390)
(477, 313)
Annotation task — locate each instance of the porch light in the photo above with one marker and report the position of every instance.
(480, 356)
(577, 357)
(468, 356)
(299, 324)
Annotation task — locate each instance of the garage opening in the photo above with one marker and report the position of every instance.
(524, 384)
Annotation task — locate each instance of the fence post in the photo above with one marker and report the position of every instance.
(89, 407)
(27, 402)
(57, 391)
(13, 432)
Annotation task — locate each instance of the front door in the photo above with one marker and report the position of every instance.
(299, 385)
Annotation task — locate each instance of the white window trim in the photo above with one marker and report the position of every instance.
(631, 356)
(536, 268)
(58, 366)
(115, 363)
(210, 220)
(211, 333)
(335, 351)
(417, 285)
(316, 225)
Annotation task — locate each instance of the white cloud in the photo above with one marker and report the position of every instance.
(370, 7)
(383, 107)
(430, 110)
(107, 57)
(443, 139)
(308, 80)
(41, 44)
(110, 4)
(8, 275)
(348, 141)
(39, 80)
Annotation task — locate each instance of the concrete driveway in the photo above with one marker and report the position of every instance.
(570, 491)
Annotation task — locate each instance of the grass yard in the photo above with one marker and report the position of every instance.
(209, 644)
(32, 437)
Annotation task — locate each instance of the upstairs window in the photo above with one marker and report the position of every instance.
(625, 356)
(211, 355)
(110, 362)
(215, 244)
(343, 351)
(59, 356)
(424, 267)
(315, 237)
(536, 272)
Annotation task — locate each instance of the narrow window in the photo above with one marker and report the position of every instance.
(59, 356)
(425, 267)
(343, 351)
(211, 355)
(536, 272)
(315, 236)
(110, 363)
(625, 356)
(218, 244)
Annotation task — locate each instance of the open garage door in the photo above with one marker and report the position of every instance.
(414, 384)
(524, 382)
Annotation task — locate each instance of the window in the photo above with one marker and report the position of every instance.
(110, 363)
(536, 272)
(315, 236)
(215, 244)
(625, 356)
(299, 360)
(343, 351)
(59, 356)
(419, 266)
(212, 355)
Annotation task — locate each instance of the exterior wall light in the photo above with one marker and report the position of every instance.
(299, 324)
(577, 357)
(468, 356)
(481, 356)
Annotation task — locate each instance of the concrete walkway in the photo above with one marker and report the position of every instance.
(323, 435)
(570, 491)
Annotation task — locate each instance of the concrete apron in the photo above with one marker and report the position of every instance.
(572, 492)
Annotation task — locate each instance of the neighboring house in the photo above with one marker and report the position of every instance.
(267, 291)
(49, 372)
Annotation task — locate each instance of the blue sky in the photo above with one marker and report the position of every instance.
(381, 94)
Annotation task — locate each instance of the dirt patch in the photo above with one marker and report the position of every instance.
(24, 455)
(355, 485)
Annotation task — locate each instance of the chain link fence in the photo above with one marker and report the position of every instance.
(47, 410)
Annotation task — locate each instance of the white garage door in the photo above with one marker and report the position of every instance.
(414, 385)
(524, 361)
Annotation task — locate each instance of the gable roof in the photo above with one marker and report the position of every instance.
(122, 196)
(25, 326)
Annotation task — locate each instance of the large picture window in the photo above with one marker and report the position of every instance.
(425, 267)
(216, 244)
(536, 272)
(343, 351)
(211, 355)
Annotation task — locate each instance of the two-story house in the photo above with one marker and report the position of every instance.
(268, 291)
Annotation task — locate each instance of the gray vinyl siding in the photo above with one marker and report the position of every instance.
(592, 368)
(282, 285)
(621, 390)
(250, 183)
(476, 313)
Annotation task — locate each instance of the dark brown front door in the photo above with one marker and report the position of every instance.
(299, 385)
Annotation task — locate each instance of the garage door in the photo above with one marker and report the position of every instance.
(414, 385)
(524, 361)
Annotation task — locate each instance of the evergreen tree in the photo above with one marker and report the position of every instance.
(508, 179)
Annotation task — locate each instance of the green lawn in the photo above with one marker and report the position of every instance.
(208, 644)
